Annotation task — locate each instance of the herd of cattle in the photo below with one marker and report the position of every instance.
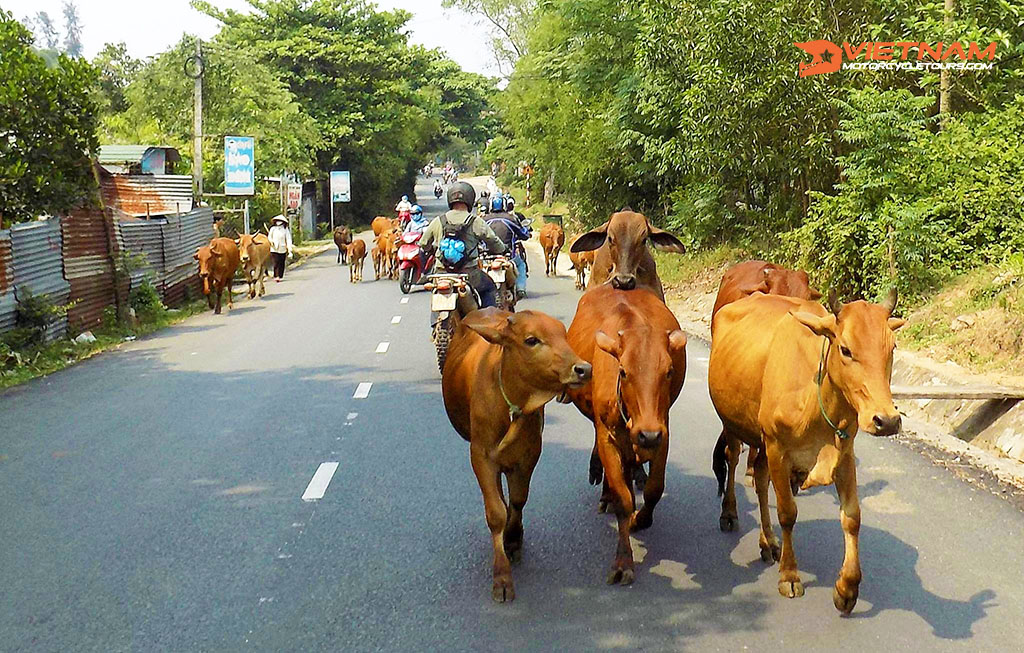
(387, 234)
(791, 379)
(219, 261)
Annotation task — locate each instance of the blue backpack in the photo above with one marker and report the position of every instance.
(452, 249)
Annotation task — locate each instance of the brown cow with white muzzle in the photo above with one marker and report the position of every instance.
(502, 368)
(218, 262)
(342, 239)
(639, 358)
(254, 255)
(798, 381)
(622, 254)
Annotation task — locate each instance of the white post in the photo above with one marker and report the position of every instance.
(246, 216)
(197, 125)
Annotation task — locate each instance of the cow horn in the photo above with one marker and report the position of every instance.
(834, 304)
(890, 300)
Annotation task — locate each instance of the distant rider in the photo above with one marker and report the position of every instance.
(418, 223)
(457, 236)
(508, 227)
(404, 209)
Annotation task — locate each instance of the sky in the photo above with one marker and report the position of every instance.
(151, 26)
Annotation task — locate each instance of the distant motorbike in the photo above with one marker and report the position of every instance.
(502, 271)
(451, 299)
(412, 266)
(438, 191)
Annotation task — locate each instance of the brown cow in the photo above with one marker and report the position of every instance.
(356, 258)
(639, 358)
(218, 263)
(342, 238)
(392, 239)
(520, 361)
(551, 240)
(377, 254)
(745, 279)
(254, 255)
(798, 381)
(581, 262)
(381, 224)
(622, 253)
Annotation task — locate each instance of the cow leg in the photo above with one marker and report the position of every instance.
(260, 275)
(729, 520)
(220, 291)
(230, 303)
(847, 587)
(250, 282)
(653, 488)
(779, 469)
(596, 471)
(751, 457)
(770, 550)
(518, 494)
(488, 475)
(209, 299)
(622, 493)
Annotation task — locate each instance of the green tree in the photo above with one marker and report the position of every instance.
(117, 69)
(72, 29)
(47, 129)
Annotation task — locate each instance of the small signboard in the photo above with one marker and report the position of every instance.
(239, 165)
(341, 186)
(294, 195)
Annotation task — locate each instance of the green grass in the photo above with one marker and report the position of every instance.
(19, 366)
(676, 269)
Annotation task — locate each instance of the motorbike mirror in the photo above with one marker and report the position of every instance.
(527, 222)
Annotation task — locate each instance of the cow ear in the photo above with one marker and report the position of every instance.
(608, 344)
(591, 240)
(676, 341)
(665, 241)
(822, 326)
(896, 322)
(814, 293)
(488, 333)
(196, 255)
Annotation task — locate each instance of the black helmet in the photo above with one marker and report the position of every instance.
(461, 191)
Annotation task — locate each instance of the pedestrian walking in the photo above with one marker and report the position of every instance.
(280, 245)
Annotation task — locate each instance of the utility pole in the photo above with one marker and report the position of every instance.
(197, 128)
(944, 75)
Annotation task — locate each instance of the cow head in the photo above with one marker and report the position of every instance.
(647, 372)
(861, 343)
(790, 283)
(206, 256)
(626, 234)
(244, 242)
(534, 350)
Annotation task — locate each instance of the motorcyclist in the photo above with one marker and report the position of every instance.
(472, 231)
(417, 221)
(438, 188)
(404, 209)
(508, 227)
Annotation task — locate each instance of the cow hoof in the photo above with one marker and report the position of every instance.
(728, 524)
(844, 604)
(602, 506)
(216, 311)
(791, 589)
(621, 577)
(503, 591)
(771, 554)
(749, 479)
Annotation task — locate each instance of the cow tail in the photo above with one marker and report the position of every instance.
(720, 463)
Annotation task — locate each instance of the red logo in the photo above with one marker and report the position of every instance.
(827, 57)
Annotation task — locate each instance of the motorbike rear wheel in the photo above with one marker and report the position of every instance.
(405, 281)
(442, 337)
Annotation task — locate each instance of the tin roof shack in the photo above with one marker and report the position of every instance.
(139, 159)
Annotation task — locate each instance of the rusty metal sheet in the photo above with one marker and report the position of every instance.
(7, 303)
(87, 267)
(147, 195)
(145, 238)
(36, 249)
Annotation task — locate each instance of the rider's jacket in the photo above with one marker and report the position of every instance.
(417, 223)
(507, 227)
(478, 233)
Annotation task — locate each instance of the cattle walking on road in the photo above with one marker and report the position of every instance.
(639, 358)
(581, 262)
(622, 254)
(799, 381)
(356, 258)
(551, 240)
(342, 239)
(502, 369)
(254, 255)
(218, 263)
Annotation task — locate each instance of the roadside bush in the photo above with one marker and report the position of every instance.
(35, 314)
(145, 299)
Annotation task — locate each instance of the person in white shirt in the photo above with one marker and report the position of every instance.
(280, 237)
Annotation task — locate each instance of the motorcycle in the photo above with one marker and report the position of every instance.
(502, 271)
(451, 299)
(403, 218)
(412, 269)
(438, 191)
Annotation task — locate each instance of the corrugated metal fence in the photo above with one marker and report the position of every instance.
(72, 259)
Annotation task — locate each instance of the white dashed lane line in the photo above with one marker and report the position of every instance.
(396, 319)
(382, 348)
(318, 484)
(405, 300)
(351, 416)
(363, 391)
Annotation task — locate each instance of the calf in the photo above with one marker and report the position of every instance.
(218, 263)
(377, 254)
(356, 257)
(622, 254)
(581, 262)
(502, 369)
(551, 240)
(254, 255)
(639, 358)
(342, 238)
(744, 279)
(799, 382)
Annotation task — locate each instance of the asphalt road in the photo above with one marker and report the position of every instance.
(150, 500)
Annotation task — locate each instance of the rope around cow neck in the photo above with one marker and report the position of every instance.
(822, 361)
(513, 410)
(619, 400)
